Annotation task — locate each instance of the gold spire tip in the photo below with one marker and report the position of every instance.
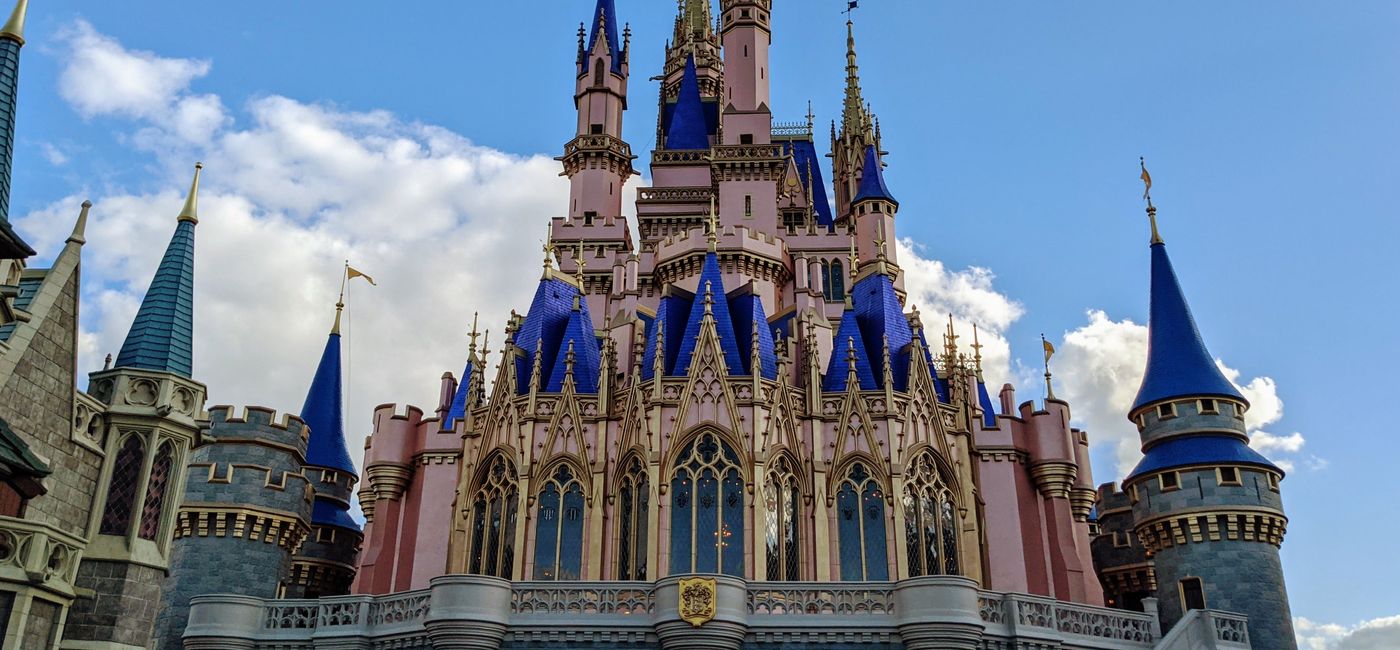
(191, 210)
(14, 27)
(339, 307)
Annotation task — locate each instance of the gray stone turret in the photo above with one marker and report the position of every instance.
(247, 510)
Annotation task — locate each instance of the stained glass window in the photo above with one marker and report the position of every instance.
(837, 289)
(860, 526)
(707, 509)
(121, 491)
(493, 520)
(155, 491)
(633, 522)
(931, 519)
(781, 495)
(559, 534)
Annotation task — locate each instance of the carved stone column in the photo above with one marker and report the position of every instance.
(468, 612)
(701, 612)
(938, 613)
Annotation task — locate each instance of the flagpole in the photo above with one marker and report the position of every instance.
(1049, 351)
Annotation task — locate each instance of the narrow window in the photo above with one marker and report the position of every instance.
(595, 129)
(860, 525)
(1166, 411)
(493, 520)
(1228, 475)
(1193, 594)
(122, 490)
(633, 523)
(1169, 480)
(748, 205)
(1208, 406)
(781, 497)
(559, 533)
(707, 509)
(746, 138)
(1273, 481)
(838, 281)
(930, 519)
(826, 279)
(598, 72)
(589, 216)
(157, 487)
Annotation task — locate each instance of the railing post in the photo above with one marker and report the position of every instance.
(725, 631)
(938, 613)
(224, 622)
(468, 612)
(1149, 607)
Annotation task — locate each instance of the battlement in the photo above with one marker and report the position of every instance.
(569, 228)
(259, 424)
(730, 238)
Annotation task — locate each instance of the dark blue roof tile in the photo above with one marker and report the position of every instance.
(709, 276)
(587, 358)
(162, 336)
(687, 129)
(872, 179)
(605, 14)
(324, 413)
(332, 513)
(1183, 451)
(848, 338)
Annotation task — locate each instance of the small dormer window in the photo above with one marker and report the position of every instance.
(1239, 411)
(1133, 493)
(325, 534)
(1169, 481)
(588, 217)
(1208, 406)
(1228, 476)
(1273, 481)
(1166, 411)
(328, 476)
(595, 129)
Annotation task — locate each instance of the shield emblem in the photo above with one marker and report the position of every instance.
(697, 596)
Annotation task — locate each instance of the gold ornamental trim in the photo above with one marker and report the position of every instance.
(697, 600)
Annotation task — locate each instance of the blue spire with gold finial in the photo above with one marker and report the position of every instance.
(605, 16)
(11, 40)
(1178, 364)
(324, 410)
(872, 179)
(687, 129)
(162, 336)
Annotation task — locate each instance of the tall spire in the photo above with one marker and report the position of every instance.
(14, 27)
(11, 40)
(324, 410)
(687, 129)
(1178, 363)
(853, 114)
(605, 23)
(162, 336)
(872, 179)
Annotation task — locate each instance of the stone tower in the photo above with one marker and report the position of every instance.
(325, 566)
(152, 405)
(1205, 506)
(247, 510)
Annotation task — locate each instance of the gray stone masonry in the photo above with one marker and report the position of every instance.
(125, 601)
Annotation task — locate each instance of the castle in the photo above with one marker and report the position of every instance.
(724, 430)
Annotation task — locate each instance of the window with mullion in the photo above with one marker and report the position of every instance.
(707, 509)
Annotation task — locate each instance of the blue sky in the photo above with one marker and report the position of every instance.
(1014, 131)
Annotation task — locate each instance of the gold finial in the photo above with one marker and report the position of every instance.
(853, 256)
(14, 27)
(548, 248)
(1049, 352)
(1147, 196)
(976, 351)
(880, 239)
(191, 210)
(950, 341)
(486, 344)
(474, 332)
(714, 225)
(811, 117)
(579, 263)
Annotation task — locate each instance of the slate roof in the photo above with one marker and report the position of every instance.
(162, 336)
(605, 13)
(1183, 451)
(324, 413)
(578, 331)
(1178, 364)
(687, 128)
(331, 513)
(848, 337)
(544, 330)
(989, 412)
(872, 179)
(458, 409)
(804, 153)
(747, 310)
(724, 325)
(28, 288)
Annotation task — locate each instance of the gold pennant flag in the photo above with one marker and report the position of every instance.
(1049, 350)
(351, 273)
(1146, 179)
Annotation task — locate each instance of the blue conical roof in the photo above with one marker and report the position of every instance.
(872, 179)
(578, 332)
(748, 313)
(461, 398)
(880, 317)
(605, 15)
(719, 309)
(162, 336)
(687, 129)
(989, 412)
(543, 329)
(848, 338)
(324, 411)
(1178, 364)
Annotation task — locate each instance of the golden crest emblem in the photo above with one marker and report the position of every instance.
(697, 596)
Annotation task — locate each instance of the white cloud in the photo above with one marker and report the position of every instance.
(100, 77)
(1101, 364)
(53, 154)
(1376, 634)
(970, 297)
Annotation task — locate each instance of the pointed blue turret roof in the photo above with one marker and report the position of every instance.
(324, 411)
(880, 315)
(804, 153)
(605, 16)
(578, 333)
(748, 313)
(543, 328)
(1178, 364)
(989, 412)
(687, 129)
(872, 179)
(939, 385)
(460, 399)
(710, 275)
(848, 338)
(162, 336)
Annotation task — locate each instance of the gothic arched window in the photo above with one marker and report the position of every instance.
(707, 509)
(559, 533)
(826, 279)
(930, 519)
(860, 524)
(122, 490)
(156, 487)
(493, 521)
(598, 72)
(633, 498)
(781, 498)
(838, 281)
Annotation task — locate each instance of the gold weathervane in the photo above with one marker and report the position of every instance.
(1147, 196)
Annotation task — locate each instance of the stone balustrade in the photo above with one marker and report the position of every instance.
(479, 612)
